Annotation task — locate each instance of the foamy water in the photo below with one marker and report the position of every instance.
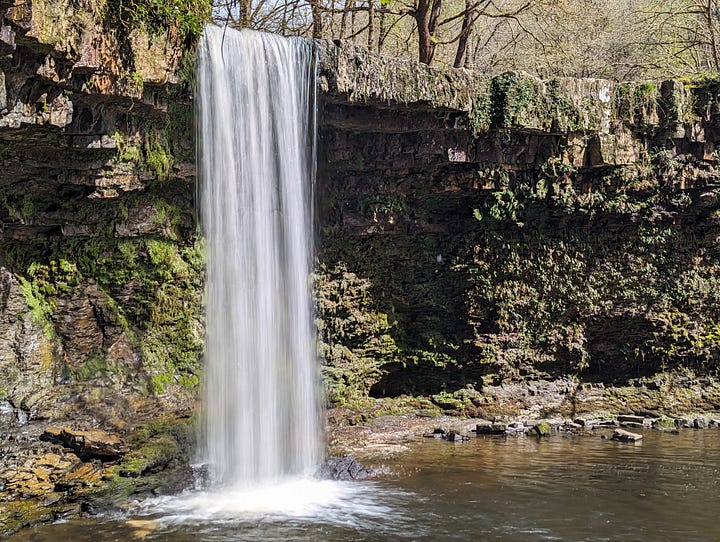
(305, 499)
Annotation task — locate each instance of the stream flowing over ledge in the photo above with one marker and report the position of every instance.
(488, 246)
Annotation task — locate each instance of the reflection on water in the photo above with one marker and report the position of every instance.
(515, 489)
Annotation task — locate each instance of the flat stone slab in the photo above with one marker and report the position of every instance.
(626, 436)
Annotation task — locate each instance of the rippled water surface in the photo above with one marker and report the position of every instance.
(515, 489)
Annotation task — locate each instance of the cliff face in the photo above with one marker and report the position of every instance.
(472, 229)
(100, 265)
(101, 269)
(477, 229)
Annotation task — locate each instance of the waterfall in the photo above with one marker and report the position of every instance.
(256, 128)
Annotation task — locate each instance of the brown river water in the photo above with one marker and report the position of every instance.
(517, 489)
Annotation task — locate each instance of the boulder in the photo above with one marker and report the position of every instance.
(344, 468)
(452, 436)
(491, 429)
(543, 429)
(632, 425)
(664, 424)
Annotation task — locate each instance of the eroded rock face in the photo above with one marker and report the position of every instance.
(100, 261)
(27, 356)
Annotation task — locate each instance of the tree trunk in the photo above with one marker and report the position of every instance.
(317, 26)
(381, 33)
(343, 20)
(467, 27)
(371, 24)
(711, 15)
(427, 17)
(244, 13)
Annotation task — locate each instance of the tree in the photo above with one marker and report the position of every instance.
(588, 38)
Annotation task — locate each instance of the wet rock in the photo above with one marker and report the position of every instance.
(452, 436)
(684, 423)
(437, 433)
(491, 429)
(572, 426)
(606, 423)
(700, 423)
(626, 436)
(542, 429)
(632, 425)
(344, 468)
(664, 424)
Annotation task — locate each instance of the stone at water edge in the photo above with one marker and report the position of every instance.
(664, 424)
(626, 436)
(542, 429)
(627, 418)
(452, 436)
(344, 468)
(490, 429)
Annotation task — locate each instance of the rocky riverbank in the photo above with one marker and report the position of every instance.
(668, 402)
(50, 472)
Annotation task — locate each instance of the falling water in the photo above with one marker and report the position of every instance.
(256, 98)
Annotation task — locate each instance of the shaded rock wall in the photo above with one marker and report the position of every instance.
(515, 229)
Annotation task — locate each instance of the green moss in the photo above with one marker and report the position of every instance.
(127, 150)
(562, 109)
(152, 456)
(157, 155)
(95, 366)
(636, 103)
(14, 515)
(448, 401)
(157, 16)
(151, 150)
(404, 405)
(355, 339)
(161, 316)
(41, 309)
(513, 96)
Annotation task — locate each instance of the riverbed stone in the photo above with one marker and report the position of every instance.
(490, 428)
(452, 436)
(632, 425)
(626, 436)
(699, 423)
(628, 418)
(543, 429)
(664, 424)
(344, 468)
